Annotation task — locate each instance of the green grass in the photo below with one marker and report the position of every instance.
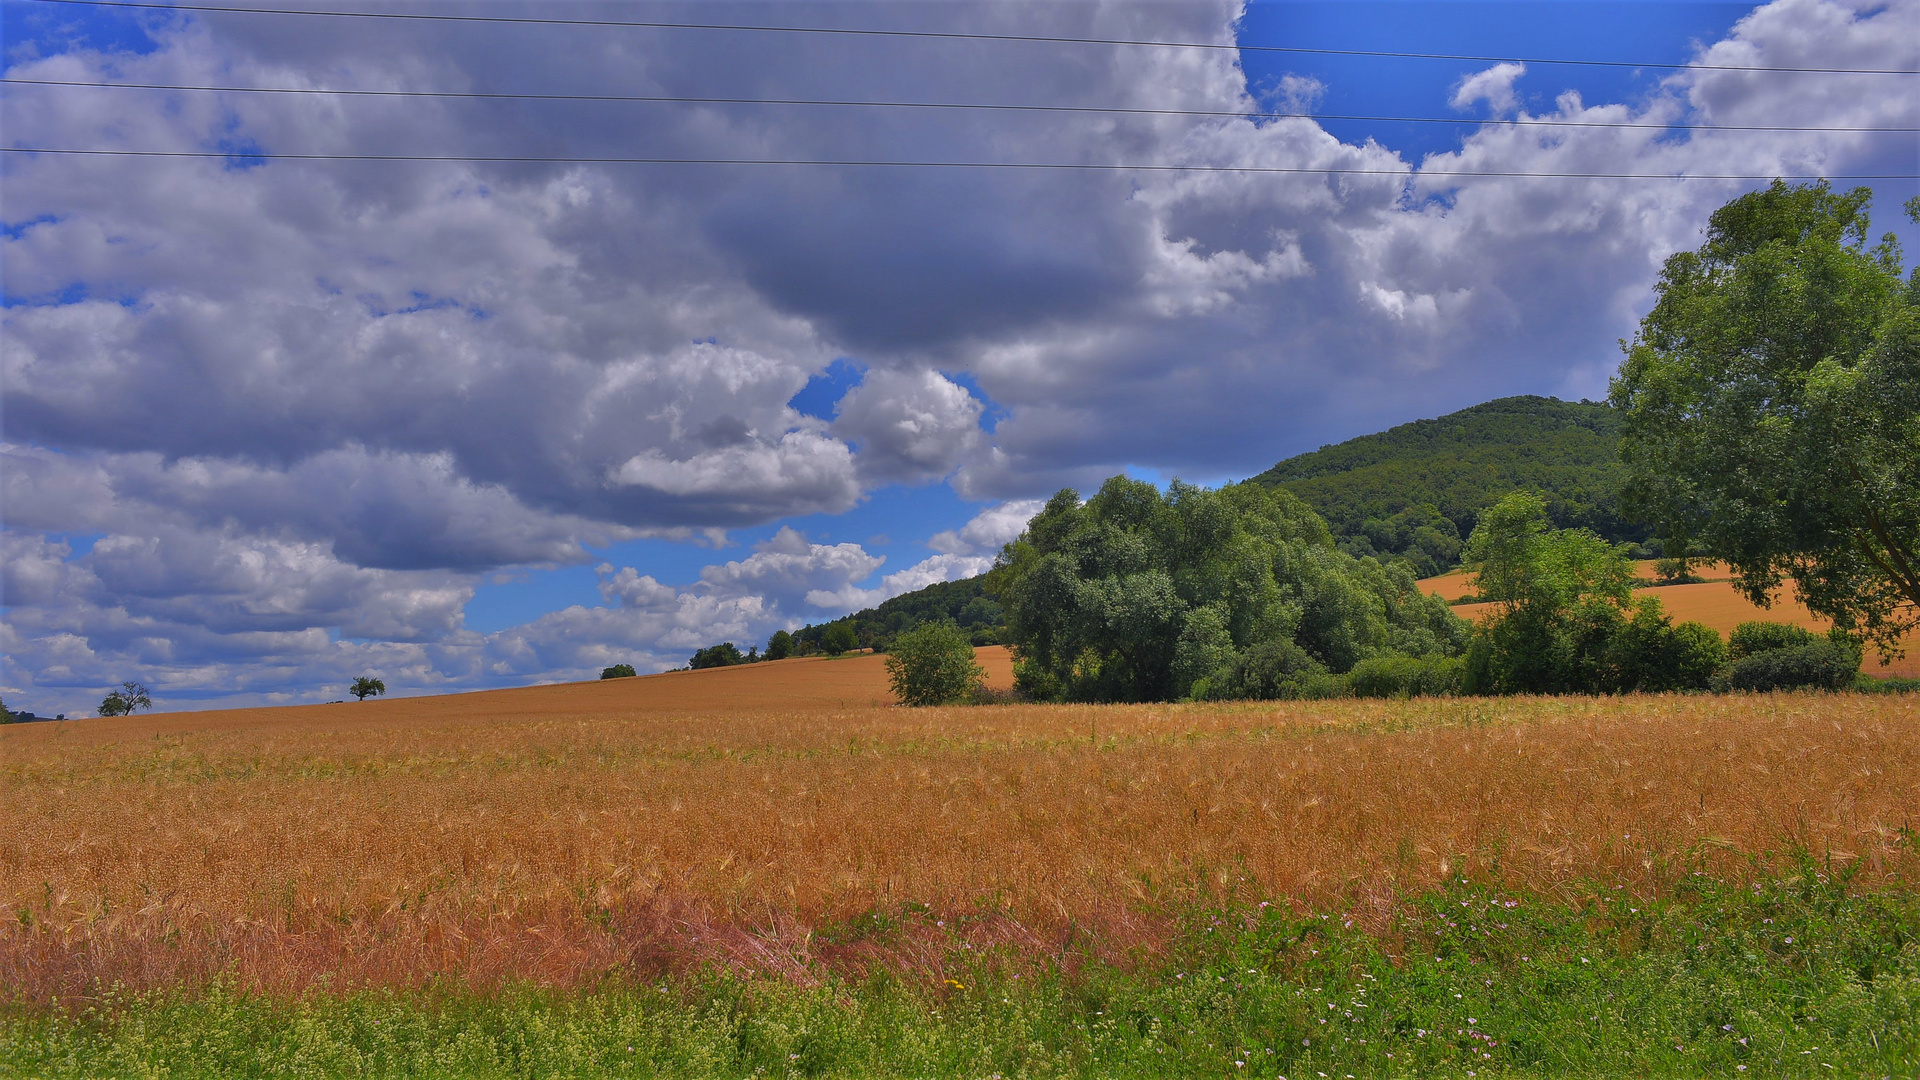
(1794, 976)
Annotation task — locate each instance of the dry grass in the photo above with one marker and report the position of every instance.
(562, 833)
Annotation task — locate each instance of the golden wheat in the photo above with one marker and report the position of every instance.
(559, 834)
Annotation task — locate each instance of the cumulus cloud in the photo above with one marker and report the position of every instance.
(1493, 86)
(989, 530)
(271, 423)
(911, 426)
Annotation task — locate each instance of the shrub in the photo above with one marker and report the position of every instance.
(1821, 665)
(618, 671)
(1757, 637)
(932, 664)
(1648, 653)
(1278, 668)
(1394, 675)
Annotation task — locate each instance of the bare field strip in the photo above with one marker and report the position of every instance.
(559, 834)
(1713, 602)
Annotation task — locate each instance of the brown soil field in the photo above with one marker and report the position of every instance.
(752, 817)
(1712, 602)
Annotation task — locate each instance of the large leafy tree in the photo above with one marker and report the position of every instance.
(1139, 596)
(1772, 402)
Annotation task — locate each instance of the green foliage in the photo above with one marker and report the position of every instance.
(365, 687)
(932, 664)
(1791, 974)
(1232, 593)
(1649, 654)
(1772, 408)
(1824, 664)
(124, 701)
(780, 645)
(968, 604)
(1397, 676)
(839, 638)
(725, 654)
(618, 671)
(1568, 622)
(1414, 490)
(1758, 637)
(6, 715)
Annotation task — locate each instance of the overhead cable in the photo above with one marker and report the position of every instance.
(1063, 166)
(652, 24)
(682, 99)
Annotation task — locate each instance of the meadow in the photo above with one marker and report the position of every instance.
(784, 829)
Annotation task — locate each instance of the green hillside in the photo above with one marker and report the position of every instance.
(964, 602)
(1417, 489)
(1413, 491)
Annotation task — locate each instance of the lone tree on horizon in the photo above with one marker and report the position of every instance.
(365, 687)
(124, 701)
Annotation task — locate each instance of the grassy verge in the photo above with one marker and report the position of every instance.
(1796, 975)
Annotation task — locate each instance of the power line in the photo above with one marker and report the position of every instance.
(1063, 166)
(937, 105)
(957, 36)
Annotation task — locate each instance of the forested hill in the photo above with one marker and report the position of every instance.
(1418, 489)
(1415, 490)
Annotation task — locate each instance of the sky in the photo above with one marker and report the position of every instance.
(272, 418)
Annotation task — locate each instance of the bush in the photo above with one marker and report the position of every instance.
(1273, 669)
(1649, 654)
(618, 671)
(1757, 637)
(1822, 665)
(932, 664)
(1394, 675)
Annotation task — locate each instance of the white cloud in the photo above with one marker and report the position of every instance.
(989, 530)
(1493, 86)
(298, 411)
(912, 426)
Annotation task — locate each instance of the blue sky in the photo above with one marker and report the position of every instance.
(272, 424)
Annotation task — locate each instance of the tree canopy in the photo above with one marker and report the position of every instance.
(1772, 407)
(365, 687)
(1240, 591)
(1568, 621)
(933, 664)
(124, 701)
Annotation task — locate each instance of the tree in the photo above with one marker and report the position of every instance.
(365, 687)
(1235, 592)
(932, 664)
(618, 671)
(1568, 621)
(725, 654)
(780, 645)
(1772, 408)
(124, 701)
(6, 715)
(839, 638)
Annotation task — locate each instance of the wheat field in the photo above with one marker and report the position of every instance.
(748, 817)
